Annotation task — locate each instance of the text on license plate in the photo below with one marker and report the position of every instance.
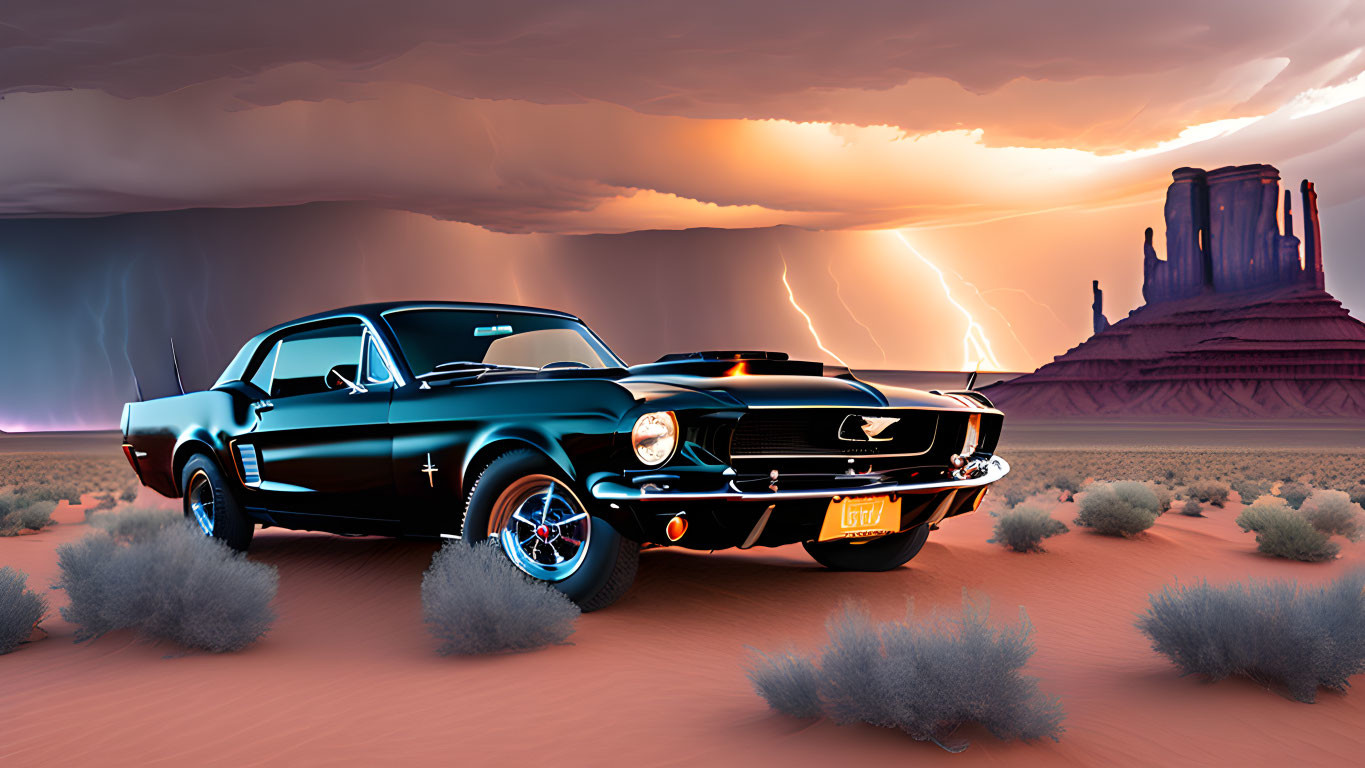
(856, 517)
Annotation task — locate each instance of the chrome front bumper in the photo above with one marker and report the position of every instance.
(975, 474)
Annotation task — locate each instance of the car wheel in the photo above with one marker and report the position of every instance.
(212, 505)
(879, 554)
(522, 501)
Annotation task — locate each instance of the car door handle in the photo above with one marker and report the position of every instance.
(264, 405)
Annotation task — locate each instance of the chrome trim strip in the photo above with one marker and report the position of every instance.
(993, 469)
(979, 409)
(737, 456)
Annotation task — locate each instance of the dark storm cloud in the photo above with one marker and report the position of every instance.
(796, 60)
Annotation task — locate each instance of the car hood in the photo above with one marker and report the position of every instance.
(758, 391)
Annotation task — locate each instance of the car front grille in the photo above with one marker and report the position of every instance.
(779, 433)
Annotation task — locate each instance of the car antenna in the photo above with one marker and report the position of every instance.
(138, 386)
(971, 378)
(175, 363)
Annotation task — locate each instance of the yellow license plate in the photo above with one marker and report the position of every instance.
(858, 517)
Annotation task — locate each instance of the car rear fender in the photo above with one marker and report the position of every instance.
(190, 442)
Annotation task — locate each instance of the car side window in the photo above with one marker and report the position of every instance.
(317, 360)
(376, 371)
(265, 371)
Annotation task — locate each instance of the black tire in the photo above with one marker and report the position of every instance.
(611, 560)
(230, 523)
(881, 554)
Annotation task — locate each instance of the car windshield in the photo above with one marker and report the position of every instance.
(438, 340)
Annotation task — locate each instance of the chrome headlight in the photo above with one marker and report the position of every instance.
(654, 437)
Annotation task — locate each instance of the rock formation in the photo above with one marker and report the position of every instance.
(1236, 322)
(1222, 235)
(1099, 321)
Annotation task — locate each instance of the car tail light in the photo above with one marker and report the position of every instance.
(131, 455)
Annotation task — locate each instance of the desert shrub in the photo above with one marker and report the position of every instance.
(1294, 493)
(1357, 494)
(1065, 481)
(136, 523)
(1192, 508)
(20, 609)
(1249, 490)
(789, 682)
(24, 512)
(1118, 509)
(1024, 528)
(476, 601)
(1282, 532)
(924, 678)
(53, 492)
(175, 585)
(1163, 497)
(129, 494)
(1209, 492)
(1273, 632)
(1333, 513)
(103, 502)
(1016, 495)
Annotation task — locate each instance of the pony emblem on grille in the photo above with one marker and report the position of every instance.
(856, 427)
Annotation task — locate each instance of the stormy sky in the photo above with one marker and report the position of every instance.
(1019, 147)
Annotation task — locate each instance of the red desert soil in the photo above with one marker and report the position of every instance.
(348, 674)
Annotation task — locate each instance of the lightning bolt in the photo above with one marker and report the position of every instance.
(809, 325)
(1029, 296)
(838, 292)
(974, 338)
(993, 308)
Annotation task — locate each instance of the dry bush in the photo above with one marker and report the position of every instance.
(24, 512)
(925, 678)
(1248, 490)
(136, 523)
(1294, 493)
(1209, 492)
(1283, 532)
(1065, 481)
(1118, 509)
(789, 682)
(1024, 528)
(57, 476)
(1015, 495)
(476, 601)
(1192, 508)
(1333, 513)
(176, 585)
(1273, 632)
(1357, 494)
(1163, 496)
(20, 609)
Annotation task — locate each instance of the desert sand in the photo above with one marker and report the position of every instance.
(348, 675)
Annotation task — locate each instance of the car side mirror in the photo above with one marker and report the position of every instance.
(342, 376)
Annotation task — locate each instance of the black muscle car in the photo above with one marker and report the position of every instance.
(477, 421)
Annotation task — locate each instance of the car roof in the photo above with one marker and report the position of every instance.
(376, 310)
(374, 314)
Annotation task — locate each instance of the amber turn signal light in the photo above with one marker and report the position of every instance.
(676, 527)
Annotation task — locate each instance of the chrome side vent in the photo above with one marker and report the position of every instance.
(251, 470)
